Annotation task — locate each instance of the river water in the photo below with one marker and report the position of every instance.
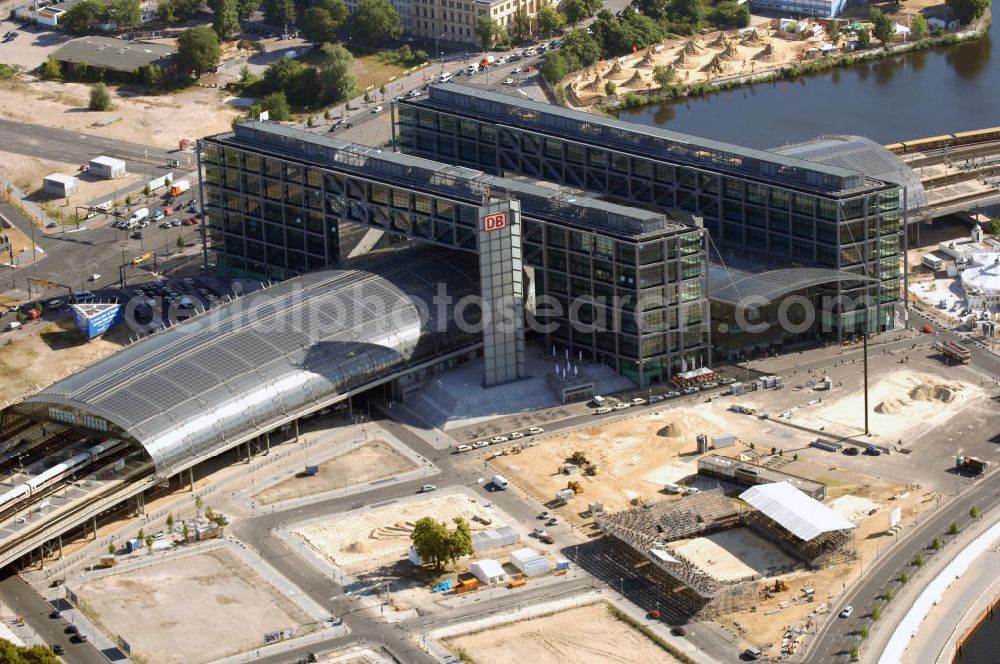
(984, 644)
(920, 94)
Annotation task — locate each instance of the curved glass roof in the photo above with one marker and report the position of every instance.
(193, 389)
(732, 286)
(862, 154)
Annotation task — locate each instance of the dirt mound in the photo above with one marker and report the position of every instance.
(617, 72)
(637, 81)
(684, 62)
(694, 47)
(942, 392)
(890, 407)
(685, 424)
(753, 38)
(767, 55)
(717, 66)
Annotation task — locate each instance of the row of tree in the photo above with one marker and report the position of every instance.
(287, 83)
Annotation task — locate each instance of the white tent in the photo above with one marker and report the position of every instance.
(488, 571)
(793, 510)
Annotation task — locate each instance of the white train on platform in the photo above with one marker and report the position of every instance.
(56, 473)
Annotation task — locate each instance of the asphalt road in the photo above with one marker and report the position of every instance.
(835, 638)
(18, 595)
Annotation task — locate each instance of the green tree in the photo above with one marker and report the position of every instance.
(936, 544)
(279, 13)
(877, 613)
(995, 227)
(124, 13)
(460, 539)
(82, 70)
(100, 98)
(864, 632)
(82, 17)
(919, 560)
(904, 578)
(336, 9)
(149, 543)
(554, 67)
(864, 39)
(198, 50)
(953, 528)
(486, 30)
(50, 69)
(730, 14)
(375, 21)
(884, 29)
(276, 104)
(172, 11)
(889, 595)
(111, 549)
(198, 502)
(968, 11)
(431, 539)
(575, 11)
(663, 75)
(580, 49)
(225, 18)
(973, 512)
(246, 8)
(335, 78)
(549, 21)
(610, 88)
(918, 26)
(152, 76)
(185, 531)
(170, 521)
(521, 24)
(855, 654)
(12, 654)
(146, 189)
(689, 11)
(317, 26)
(180, 242)
(142, 535)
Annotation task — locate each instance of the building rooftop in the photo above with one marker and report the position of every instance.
(654, 141)
(732, 286)
(60, 177)
(198, 387)
(794, 511)
(475, 187)
(862, 154)
(113, 54)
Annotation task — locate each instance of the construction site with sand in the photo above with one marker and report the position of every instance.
(364, 540)
(191, 608)
(366, 462)
(591, 634)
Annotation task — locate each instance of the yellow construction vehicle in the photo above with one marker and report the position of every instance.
(576, 486)
(591, 470)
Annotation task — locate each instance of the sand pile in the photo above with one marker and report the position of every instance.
(890, 407)
(717, 66)
(617, 72)
(732, 52)
(767, 55)
(636, 81)
(753, 38)
(720, 42)
(942, 392)
(694, 47)
(594, 85)
(684, 62)
(685, 424)
(646, 62)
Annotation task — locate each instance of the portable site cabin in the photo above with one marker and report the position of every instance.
(60, 185)
(488, 571)
(108, 168)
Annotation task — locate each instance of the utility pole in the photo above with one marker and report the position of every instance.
(867, 302)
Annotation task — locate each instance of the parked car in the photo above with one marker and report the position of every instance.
(377, 109)
(848, 610)
(190, 221)
(427, 488)
(516, 434)
(851, 451)
(508, 81)
(927, 329)
(58, 649)
(498, 439)
(159, 214)
(539, 533)
(544, 515)
(534, 431)
(547, 539)
(690, 390)
(480, 443)
(136, 236)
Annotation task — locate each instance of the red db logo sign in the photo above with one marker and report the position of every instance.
(495, 221)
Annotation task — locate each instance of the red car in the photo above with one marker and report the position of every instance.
(168, 210)
(927, 329)
(190, 221)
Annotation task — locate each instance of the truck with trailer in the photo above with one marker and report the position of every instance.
(954, 352)
(179, 187)
(970, 465)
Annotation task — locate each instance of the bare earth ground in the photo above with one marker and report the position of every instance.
(35, 359)
(733, 554)
(371, 461)
(145, 119)
(359, 542)
(27, 174)
(902, 404)
(585, 635)
(635, 458)
(197, 608)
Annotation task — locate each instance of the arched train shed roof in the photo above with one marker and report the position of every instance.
(193, 389)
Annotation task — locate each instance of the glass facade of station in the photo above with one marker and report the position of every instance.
(755, 204)
(623, 286)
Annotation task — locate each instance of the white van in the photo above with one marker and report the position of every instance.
(138, 215)
(13, 325)
(445, 77)
(598, 401)
(673, 488)
(499, 482)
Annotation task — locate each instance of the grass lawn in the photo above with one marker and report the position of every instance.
(367, 69)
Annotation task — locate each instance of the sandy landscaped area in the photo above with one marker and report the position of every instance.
(366, 463)
(903, 403)
(731, 555)
(360, 541)
(635, 457)
(193, 609)
(36, 359)
(145, 119)
(586, 635)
